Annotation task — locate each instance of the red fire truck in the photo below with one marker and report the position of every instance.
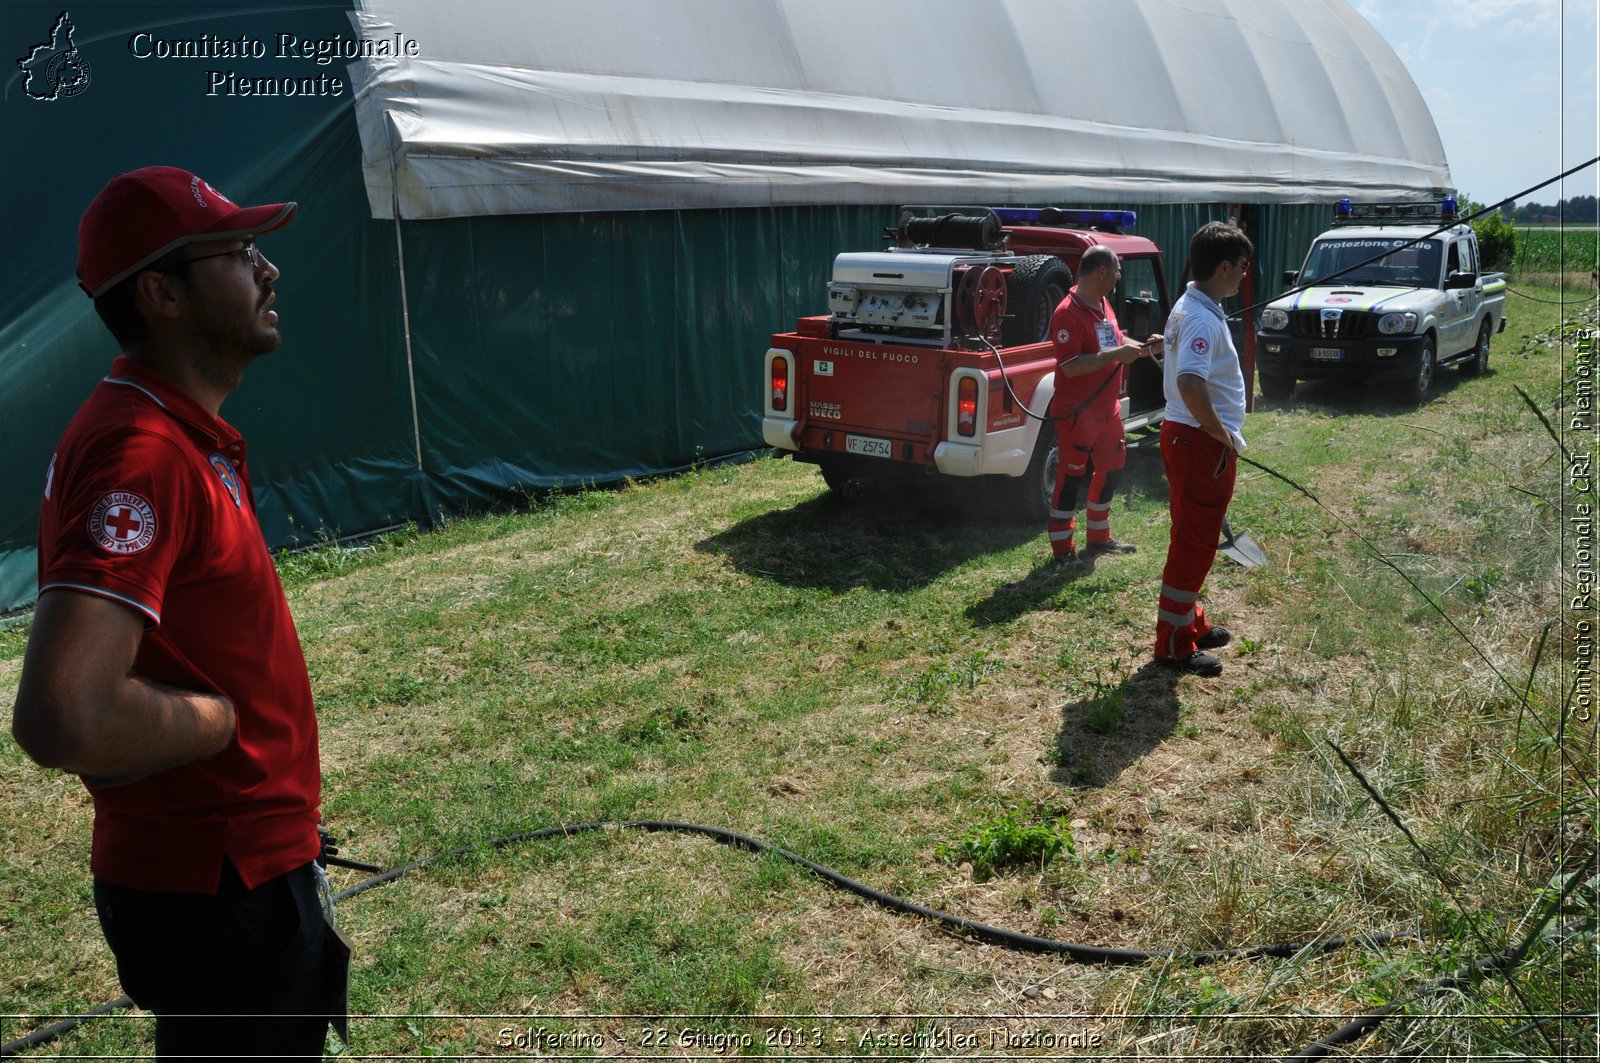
(934, 357)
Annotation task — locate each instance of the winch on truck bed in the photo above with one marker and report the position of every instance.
(934, 354)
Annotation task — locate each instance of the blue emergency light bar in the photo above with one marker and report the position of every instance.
(1119, 219)
(1346, 212)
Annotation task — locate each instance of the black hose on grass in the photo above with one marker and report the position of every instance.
(1086, 954)
(56, 1029)
(1536, 299)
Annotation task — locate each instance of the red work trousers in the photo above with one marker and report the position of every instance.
(1200, 474)
(1091, 446)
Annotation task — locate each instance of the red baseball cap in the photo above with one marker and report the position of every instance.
(141, 215)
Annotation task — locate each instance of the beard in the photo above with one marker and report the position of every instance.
(227, 340)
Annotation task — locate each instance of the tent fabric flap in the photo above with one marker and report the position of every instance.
(808, 102)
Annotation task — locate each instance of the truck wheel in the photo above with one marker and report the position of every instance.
(1033, 291)
(1420, 387)
(1480, 353)
(1276, 387)
(1026, 498)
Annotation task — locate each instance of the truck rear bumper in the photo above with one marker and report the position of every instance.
(949, 459)
(998, 452)
(958, 459)
(1378, 358)
(779, 432)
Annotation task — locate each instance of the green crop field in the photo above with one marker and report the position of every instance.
(1556, 249)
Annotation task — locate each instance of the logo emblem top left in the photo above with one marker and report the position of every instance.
(55, 69)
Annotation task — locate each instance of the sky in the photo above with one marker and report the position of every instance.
(1492, 74)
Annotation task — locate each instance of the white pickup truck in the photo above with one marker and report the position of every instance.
(1392, 293)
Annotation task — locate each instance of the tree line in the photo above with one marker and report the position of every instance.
(1576, 209)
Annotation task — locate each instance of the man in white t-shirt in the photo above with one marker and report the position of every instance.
(1200, 442)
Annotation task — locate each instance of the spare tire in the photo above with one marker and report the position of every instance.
(1033, 291)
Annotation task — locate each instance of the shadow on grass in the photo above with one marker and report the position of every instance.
(1103, 734)
(1377, 399)
(894, 541)
(900, 536)
(1010, 600)
(1143, 474)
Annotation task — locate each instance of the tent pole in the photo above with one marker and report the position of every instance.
(405, 303)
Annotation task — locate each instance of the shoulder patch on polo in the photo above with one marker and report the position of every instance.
(1063, 336)
(1199, 345)
(122, 523)
(224, 469)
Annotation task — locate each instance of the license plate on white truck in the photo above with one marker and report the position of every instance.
(868, 445)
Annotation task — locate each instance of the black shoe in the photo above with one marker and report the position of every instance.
(1072, 561)
(1110, 546)
(1196, 663)
(1217, 636)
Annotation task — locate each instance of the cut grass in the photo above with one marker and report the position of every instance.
(866, 684)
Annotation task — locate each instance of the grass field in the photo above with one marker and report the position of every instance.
(919, 701)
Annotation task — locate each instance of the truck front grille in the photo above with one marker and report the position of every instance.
(1350, 325)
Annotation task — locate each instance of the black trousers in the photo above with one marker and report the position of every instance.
(246, 972)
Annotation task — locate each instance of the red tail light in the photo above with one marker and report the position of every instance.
(780, 384)
(967, 406)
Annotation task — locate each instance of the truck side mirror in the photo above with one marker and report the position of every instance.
(1460, 279)
(1290, 276)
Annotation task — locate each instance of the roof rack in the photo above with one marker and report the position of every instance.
(1348, 213)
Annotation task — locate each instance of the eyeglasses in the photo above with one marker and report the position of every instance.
(249, 250)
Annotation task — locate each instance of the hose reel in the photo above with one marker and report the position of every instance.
(980, 297)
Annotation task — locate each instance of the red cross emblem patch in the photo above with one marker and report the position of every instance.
(122, 523)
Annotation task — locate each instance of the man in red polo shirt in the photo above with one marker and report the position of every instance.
(163, 666)
(1087, 406)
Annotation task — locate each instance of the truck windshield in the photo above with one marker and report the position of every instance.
(1415, 265)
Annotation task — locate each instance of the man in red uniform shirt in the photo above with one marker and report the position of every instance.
(1087, 405)
(163, 666)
